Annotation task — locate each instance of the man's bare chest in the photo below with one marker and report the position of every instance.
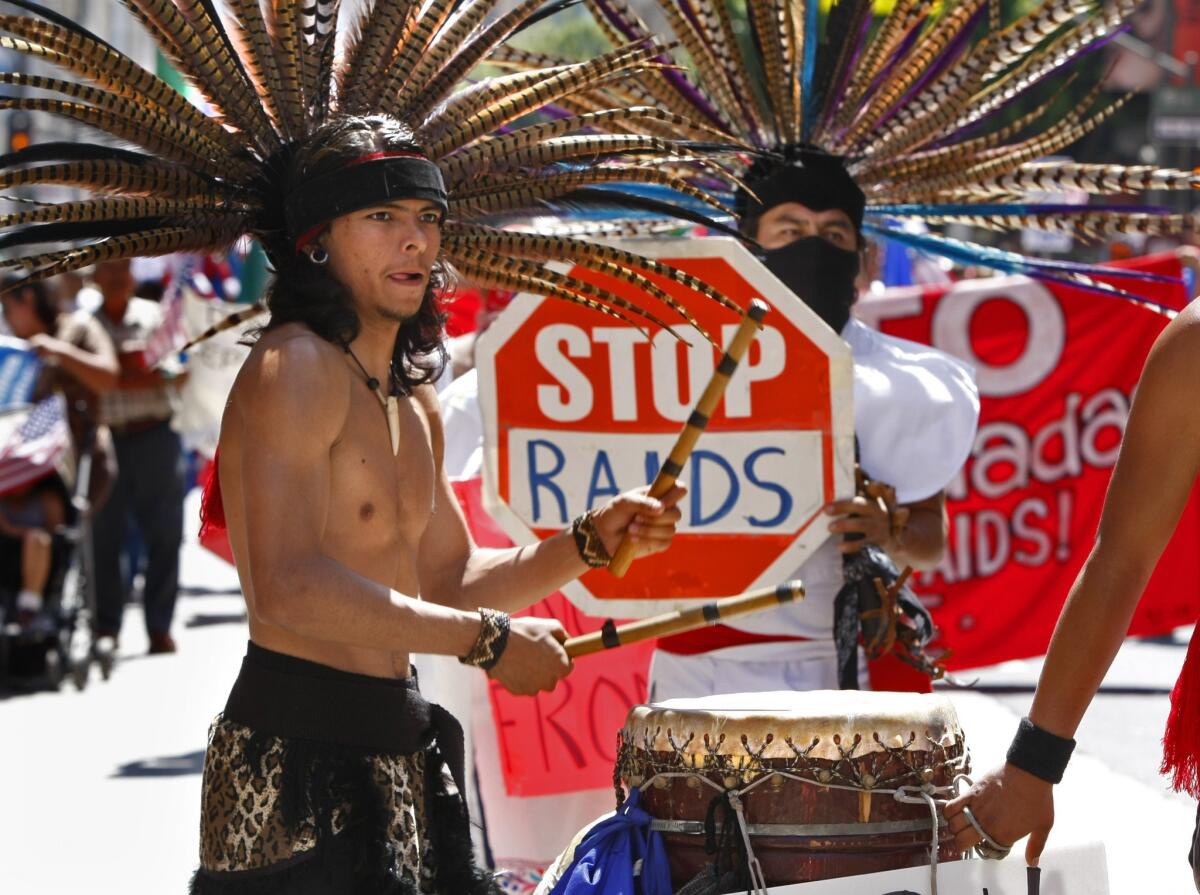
(377, 497)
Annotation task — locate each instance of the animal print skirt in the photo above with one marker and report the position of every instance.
(321, 781)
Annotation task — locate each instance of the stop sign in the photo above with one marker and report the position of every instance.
(579, 407)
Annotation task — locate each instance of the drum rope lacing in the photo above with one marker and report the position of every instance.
(909, 795)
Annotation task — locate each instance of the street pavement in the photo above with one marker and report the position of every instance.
(99, 790)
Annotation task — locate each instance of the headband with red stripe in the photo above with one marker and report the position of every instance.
(370, 180)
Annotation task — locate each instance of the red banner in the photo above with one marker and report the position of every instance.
(1056, 368)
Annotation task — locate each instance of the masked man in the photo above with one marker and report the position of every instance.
(863, 124)
(915, 412)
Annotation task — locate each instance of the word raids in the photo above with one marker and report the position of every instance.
(608, 430)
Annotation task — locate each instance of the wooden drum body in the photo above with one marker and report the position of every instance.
(826, 764)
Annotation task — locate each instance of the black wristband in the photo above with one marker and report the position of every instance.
(1040, 752)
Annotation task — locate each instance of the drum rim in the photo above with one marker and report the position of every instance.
(841, 731)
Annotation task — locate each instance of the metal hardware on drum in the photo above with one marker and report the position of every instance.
(906, 794)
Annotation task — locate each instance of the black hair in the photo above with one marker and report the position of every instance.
(307, 293)
(44, 306)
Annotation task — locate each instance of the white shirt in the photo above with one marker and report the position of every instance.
(462, 427)
(915, 414)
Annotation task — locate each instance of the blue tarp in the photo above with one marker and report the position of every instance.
(620, 855)
(897, 265)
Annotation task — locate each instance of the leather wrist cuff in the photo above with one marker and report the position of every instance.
(493, 638)
(588, 541)
(1040, 752)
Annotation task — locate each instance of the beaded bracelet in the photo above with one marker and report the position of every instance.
(588, 541)
(493, 638)
(1040, 752)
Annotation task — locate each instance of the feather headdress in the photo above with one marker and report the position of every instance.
(909, 107)
(276, 72)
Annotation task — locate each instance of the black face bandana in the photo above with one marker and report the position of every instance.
(820, 273)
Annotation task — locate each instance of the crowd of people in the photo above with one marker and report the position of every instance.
(90, 334)
(365, 168)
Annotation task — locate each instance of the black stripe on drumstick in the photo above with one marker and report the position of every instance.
(670, 468)
(697, 422)
(610, 636)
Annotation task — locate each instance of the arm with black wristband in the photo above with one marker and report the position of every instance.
(1158, 465)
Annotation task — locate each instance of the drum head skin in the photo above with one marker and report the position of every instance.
(823, 723)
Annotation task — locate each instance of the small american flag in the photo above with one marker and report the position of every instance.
(31, 442)
(172, 334)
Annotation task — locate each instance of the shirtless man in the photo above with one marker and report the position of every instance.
(1153, 478)
(353, 554)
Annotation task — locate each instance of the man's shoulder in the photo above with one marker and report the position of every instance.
(865, 340)
(295, 343)
(871, 347)
(292, 383)
(293, 359)
(1188, 323)
(1179, 347)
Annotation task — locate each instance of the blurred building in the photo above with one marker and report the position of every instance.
(106, 19)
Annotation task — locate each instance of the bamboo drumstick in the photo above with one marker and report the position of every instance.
(611, 637)
(673, 466)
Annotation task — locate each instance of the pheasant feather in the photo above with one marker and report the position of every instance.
(272, 72)
(909, 108)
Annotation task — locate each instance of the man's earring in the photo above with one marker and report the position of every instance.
(317, 254)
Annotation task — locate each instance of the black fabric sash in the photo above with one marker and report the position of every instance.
(291, 698)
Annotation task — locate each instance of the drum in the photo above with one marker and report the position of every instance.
(814, 775)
